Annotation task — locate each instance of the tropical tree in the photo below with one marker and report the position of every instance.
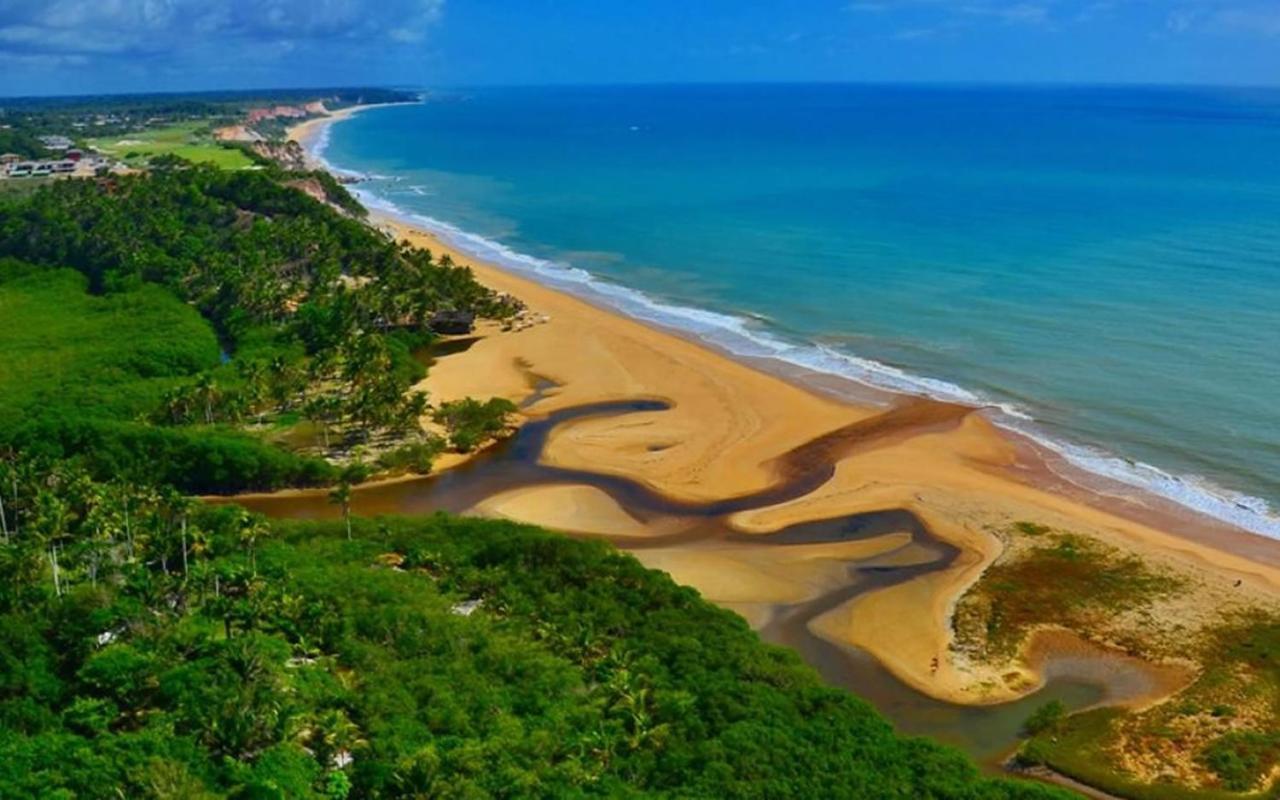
(206, 394)
(340, 495)
(251, 528)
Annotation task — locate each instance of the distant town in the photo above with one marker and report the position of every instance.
(43, 139)
(65, 159)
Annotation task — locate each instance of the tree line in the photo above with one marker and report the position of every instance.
(318, 315)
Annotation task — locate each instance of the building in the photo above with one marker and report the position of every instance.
(56, 142)
(9, 158)
(452, 323)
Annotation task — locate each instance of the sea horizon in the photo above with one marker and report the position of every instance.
(486, 226)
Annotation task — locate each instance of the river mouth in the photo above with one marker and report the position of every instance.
(989, 733)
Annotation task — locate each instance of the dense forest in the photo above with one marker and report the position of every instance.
(155, 648)
(303, 325)
(164, 333)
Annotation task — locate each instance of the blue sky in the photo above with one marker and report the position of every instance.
(81, 46)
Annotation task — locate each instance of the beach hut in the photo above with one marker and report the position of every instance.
(452, 323)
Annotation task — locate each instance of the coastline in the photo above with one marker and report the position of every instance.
(729, 423)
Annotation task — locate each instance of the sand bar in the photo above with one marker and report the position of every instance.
(727, 433)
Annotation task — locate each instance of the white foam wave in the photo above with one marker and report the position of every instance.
(1190, 491)
(747, 338)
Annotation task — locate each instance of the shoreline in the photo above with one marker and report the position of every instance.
(961, 480)
(1085, 471)
(730, 420)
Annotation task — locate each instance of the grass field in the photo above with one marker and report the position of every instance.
(65, 351)
(186, 140)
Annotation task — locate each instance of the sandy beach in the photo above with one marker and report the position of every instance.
(726, 429)
(732, 428)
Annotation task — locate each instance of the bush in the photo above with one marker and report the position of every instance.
(415, 457)
(1240, 759)
(1045, 717)
(471, 423)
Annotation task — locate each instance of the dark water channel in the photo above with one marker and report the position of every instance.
(986, 732)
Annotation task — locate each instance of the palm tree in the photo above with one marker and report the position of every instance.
(321, 411)
(179, 507)
(252, 528)
(207, 393)
(50, 522)
(341, 495)
(101, 523)
(255, 385)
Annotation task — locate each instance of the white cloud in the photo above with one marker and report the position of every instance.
(158, 28)
(1224, 18)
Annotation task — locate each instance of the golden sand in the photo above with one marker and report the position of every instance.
(568, 507)
(726, 434)
(732, 429)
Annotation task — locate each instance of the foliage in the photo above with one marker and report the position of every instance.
(471, 423)
(22, 142)
(1045, 718)
(318, 313)
(1056, 578)
(1227, 718)
(413, 456)
(192, 141)
(79, 370)
(285, 660)
(1240, 759)
(65, 349)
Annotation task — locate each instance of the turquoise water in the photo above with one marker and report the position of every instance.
(1102, 264)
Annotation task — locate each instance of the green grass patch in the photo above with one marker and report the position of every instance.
(189, 140)
(1227, 723)
(1241, 759)
(63, 350)
(1061, 579)
(1079, 747)
(80, 373)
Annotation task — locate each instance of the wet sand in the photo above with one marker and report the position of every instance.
(733, 430)
(782, 582)
(719, 429)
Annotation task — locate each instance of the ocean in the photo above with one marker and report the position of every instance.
(1099, 265)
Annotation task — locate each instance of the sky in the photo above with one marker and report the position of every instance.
(92, 46)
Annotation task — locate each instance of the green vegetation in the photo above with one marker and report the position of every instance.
(1046, 717)
(318, 314)
(156, 648)
(472, 423)
(80, 372)
(1052, 578)
(65, 348)
(192, 141)
(1217, 739)
(1241, 759)
(23, 142)
(114, 115)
